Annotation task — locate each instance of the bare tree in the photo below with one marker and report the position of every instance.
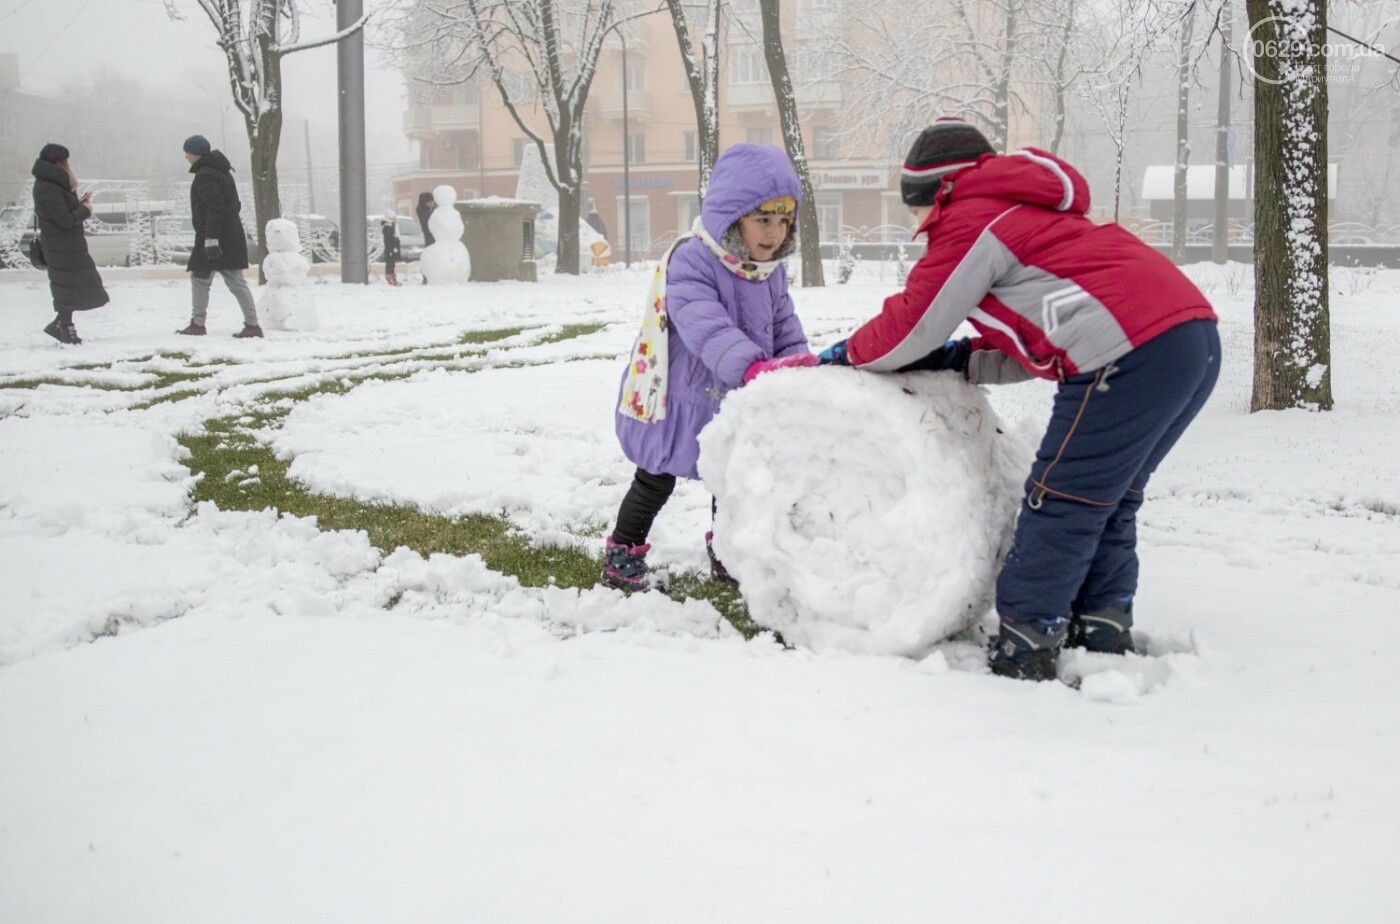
(1116, 47)
(543, 51)
(702, 74)
(808, 234)
(254, 38)
(1054, 30)
(1292, 340)
(907, 61)
(1183, 135)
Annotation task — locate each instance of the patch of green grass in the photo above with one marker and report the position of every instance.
(226, 452)
(490, 336)
(723, 596)
(166, 379)
(570, 331)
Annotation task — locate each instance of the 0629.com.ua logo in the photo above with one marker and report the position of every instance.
(1289, 44)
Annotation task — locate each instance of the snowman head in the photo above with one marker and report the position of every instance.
(282, 236)
(444, 196)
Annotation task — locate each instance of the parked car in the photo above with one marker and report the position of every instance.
(174, 239)
(411, 240)
(108, 248)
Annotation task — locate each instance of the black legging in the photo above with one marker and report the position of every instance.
(643, 502)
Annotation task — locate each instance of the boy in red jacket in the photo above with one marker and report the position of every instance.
(1131, 342)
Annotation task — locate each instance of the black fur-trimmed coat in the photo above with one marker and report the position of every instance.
(73, 278)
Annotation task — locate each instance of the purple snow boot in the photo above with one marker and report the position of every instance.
(625, 567)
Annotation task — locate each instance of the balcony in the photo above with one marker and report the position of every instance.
(750, 96)
(638, 105)
(425, 121)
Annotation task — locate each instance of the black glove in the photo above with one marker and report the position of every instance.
(834, 355)
(952, 356)
(212, 250)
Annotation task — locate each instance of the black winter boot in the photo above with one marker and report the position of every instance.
(1027, 651)
(58, 331)
(1107, 630)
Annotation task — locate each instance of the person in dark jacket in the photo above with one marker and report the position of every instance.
(219, 242)
(73, 278)
(424, 211)
(389, 227)
(595, 221)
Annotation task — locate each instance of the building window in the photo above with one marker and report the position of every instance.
(637, 148)
(687, 210)
(746, 65)
(826, 143)
(521, 87)
(636, 76)
(640, 228)
(829, 216)
(759, 136)
(691, 144)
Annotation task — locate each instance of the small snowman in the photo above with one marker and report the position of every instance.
(445, 260)
(284, 302)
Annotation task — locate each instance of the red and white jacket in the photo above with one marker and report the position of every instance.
(1011, 250)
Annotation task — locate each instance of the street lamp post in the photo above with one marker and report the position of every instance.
(626, 163)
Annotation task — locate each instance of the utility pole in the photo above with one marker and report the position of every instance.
(350, 68)
(626, 163)
(310, 177)
(1220, 234)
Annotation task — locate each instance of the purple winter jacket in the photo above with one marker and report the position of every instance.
(720, 323)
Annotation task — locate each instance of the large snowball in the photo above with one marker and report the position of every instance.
(863, 512)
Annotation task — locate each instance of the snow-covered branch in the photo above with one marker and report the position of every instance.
(345, 33)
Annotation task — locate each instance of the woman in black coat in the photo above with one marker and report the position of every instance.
(73, 278)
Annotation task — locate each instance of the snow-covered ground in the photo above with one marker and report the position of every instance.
(214, 716)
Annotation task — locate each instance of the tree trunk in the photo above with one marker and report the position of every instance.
(1292, 347)
(702, 74)
(264, 139)
(569, 186)
(1001, 129)
(1220, 235)
(1122, 94)
(1061, 63)
(1183, 139)
(808, 234)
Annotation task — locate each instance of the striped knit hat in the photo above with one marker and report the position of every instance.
(945, 146)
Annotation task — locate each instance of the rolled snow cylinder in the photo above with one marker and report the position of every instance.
(862, 512)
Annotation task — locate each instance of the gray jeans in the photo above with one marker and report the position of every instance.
(236, 284)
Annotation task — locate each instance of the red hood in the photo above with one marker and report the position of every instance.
(1028, 175)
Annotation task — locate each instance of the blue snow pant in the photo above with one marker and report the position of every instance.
(1075, 549)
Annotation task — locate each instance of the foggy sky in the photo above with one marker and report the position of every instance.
(61, 40)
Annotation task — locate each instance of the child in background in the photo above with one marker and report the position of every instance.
(718, 314)
(390, 229)
(1130, 340)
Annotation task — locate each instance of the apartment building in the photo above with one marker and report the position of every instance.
(468, 139)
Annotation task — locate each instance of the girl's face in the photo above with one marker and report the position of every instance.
(764, 233)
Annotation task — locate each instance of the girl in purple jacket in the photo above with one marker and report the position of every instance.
(719, 314)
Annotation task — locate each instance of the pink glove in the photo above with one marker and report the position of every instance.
(795, 361)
